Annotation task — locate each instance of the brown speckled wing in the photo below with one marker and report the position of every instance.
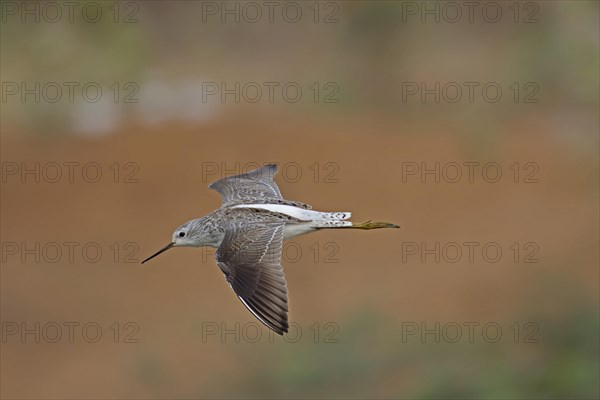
(252, 186)
(250, 258)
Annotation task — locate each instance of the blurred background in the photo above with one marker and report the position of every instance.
(116, 116)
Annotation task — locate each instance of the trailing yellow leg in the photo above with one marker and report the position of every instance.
(372, 225)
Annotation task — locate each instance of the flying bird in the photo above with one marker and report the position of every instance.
(248, 231)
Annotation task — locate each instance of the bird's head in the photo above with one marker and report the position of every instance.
(189, 234)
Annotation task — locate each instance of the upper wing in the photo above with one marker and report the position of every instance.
(250, 258)
(253, 186)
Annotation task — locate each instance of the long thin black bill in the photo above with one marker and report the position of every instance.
(167, 247)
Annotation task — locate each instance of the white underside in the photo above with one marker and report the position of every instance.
(293, 230)
(314, 219)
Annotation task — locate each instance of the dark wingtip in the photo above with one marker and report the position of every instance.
(273, 167)
(281, 330)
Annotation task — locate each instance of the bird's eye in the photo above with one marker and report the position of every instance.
(181, 234)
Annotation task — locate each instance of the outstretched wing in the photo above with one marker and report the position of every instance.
(254, 186)
(250, 258)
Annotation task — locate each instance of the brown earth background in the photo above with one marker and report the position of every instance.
(354, 295)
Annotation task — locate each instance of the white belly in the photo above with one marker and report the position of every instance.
(293, 230)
